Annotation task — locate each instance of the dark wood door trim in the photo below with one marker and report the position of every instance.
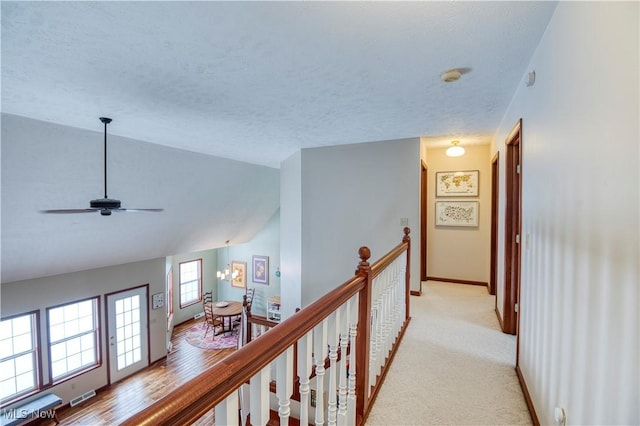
(513, 206)
(424, 175)
(493, 274)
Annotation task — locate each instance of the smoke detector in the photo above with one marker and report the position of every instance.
(450, 76)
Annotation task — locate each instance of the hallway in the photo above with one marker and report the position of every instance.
(454, 365)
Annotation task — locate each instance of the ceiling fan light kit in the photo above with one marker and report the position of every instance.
(104, 205)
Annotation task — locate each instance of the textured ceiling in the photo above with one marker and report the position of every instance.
(250, 81)
(258, 81)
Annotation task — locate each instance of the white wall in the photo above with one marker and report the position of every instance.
(291, 234)
(353, 196)
(206, 199)
(448, 245)
(579, 337)
(39, 294)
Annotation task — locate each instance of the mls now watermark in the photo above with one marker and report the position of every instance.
(23, 413)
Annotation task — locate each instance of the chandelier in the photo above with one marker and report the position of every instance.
(227, 274)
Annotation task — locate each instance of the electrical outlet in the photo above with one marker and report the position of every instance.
(313, 397)
(404, 221)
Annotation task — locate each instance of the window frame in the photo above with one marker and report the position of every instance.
(180, 283)
(97, 339)
(37, 357)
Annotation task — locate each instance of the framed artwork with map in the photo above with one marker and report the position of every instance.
(456, 213)
(457, 184)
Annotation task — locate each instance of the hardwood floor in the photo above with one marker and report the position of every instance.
(121, 400)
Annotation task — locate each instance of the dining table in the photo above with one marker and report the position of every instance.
(226, 310)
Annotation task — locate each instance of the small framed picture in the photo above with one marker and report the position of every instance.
(158, 300)
(240, 270)
(261, 269)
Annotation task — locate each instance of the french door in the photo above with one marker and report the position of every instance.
(127, 332)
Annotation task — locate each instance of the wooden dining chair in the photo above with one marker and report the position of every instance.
(247, 298)
(211, 321)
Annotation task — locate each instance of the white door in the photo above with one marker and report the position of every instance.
(128, 332)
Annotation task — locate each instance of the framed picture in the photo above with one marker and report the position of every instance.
(261, 269)
(158, 300)
(457, 184)
(240, 280)
(456, 213)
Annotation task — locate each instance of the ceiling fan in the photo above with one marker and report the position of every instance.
(104, 205)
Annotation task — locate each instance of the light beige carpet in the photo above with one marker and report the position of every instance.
(454, 365)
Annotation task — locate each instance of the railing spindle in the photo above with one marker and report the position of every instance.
(319, 355)
(259, 398)
(284, 384)
(333, 338)
(227, 411)
(305, 352)
(353, 338)
(344, 343)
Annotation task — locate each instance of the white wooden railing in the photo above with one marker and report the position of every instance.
(329, 358)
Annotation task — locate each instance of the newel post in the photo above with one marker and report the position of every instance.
(407, 239)
(363, 338)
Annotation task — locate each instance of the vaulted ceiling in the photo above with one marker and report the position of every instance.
(247, 81)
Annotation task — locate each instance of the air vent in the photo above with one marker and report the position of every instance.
(200, 315)
(78, 399)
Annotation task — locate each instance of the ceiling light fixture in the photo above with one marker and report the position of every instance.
(227, 274)
(456, 150)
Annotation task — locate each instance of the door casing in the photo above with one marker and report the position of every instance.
(493, 274)
(513, 219)
(424, 176)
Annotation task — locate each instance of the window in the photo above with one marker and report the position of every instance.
(190, 282)
(73, 338)
(18, 357)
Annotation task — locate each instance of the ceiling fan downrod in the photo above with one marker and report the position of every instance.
(104, 205)
(106, 121)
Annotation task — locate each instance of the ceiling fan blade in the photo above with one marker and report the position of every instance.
(137, 210)
(69, 211)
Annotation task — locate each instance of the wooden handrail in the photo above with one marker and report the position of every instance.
(196, 397)
(193, 399)
(261, 320)
(386, 260)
